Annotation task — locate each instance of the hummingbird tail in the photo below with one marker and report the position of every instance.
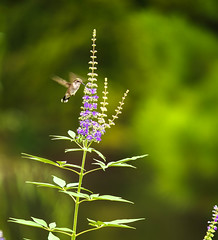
(65, 99)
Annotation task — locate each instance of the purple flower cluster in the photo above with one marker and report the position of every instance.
(1, 235)
(89, 128)
(212, 224)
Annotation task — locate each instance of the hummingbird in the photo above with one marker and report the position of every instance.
(72, 86)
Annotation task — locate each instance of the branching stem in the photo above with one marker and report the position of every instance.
(76, 209)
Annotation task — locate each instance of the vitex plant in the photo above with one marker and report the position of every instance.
(92, 125)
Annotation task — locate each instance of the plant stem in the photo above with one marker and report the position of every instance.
(76, 210)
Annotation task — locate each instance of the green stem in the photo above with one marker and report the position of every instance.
(76, 210)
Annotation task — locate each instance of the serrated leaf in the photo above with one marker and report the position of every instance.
(40, 221)
(52, 225)
(56, 137)
(25, 222)
(72, 134)
(60, 182)
(39, 159)
(41, 184)
(51, 236)
(108, 198)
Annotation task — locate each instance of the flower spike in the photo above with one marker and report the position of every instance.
(92, 122)
(212, 224)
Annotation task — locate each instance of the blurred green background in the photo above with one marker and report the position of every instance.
(165, 52)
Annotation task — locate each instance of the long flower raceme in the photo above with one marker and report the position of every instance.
(212, 224)
(93, 123)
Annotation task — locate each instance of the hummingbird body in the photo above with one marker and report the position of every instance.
(72, 86)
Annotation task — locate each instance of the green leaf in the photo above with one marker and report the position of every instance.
(108, 198)
(99, 154)
(74, 194)
(72, 185)
(25, 222)
(121, 221)
(56, 137)
(70, 165)
(72, 134)
(64, 229)
(115, 223)
(51, 236)
(73, 150)
(122, 162)
(41, 184)
(52, 225)
(39, 159)
(60, 182)
(40, 221)
(119, 163)
(100, 163)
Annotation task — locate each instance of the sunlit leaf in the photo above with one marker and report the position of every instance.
(56, 137)
(99, 154)
(74, 194)
(25, 222)
(51, 236)
(100, 163)
(52, 225)
(41, 184)
(108, 198)
(60, 182)
(64, 229)
(122, 162)
(73, 149)
(71, 165)
(40, 221)
(72, 185)
(71, 134)
(115, 223)
(39, 159)
(119, 163)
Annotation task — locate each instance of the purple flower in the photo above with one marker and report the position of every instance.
(92, 90)
(89, 137)
(1, 235)
(94, 113)
(94, 105)
(95, 97)
(212, 224)
(85, 113)
(86, 97)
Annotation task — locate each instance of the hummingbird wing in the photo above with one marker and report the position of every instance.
(72, 77)
(61, 81)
